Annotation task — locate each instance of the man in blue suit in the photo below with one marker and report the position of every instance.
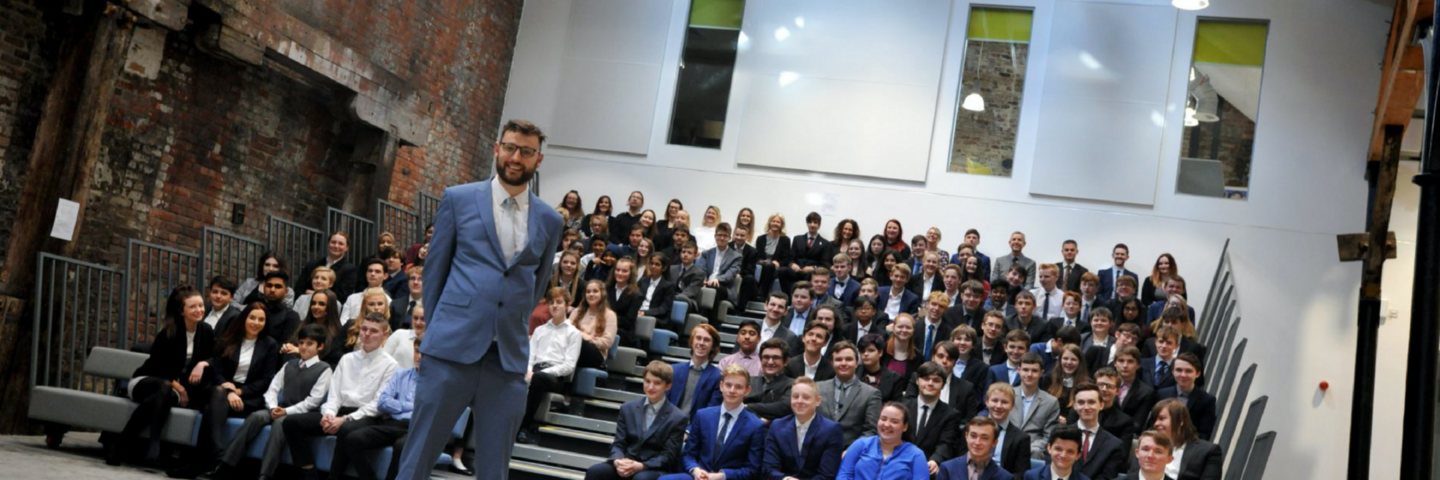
(1175, 285)
(843, 287)
(704, 390)
(489, 261)
(1064, 448)
(981, 436)
(816, 455)
(1109, 276)
(725, 439)
(649, 434)
(1016, 343)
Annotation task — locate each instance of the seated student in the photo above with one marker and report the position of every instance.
(872, 352)
(844, 286)
(847, 400)
(1136, 396)
(1102, 330)
(400, 342)
(597, 325)
(1194, 459)
(869, 287)
(567, 276)
(973, 270)
(241, 368)
(595, 265)
(721, 265)
(1000, 299)
(1012, 446)
(697, 382)
(219, 309)
(298, 387)
(820, 289)
(1201, 404)
(937, 424)
(677, 240)
(170, 376)
(813, 362)
(775, 325)
(1049, 298)
(322, 278)
(374, 270)
(648, 434)
(406, 299)
(1063, 449)
(982, 435)
(688, 277)
(1008, 372)
(1156, 370)
(905, 302)
(992, 339)
(726, 440)
(901, 356)
(351, 402)
(1036, 411)
(802, 298)
(1050, 351)
(950, 274)
(397, 403)
(885, 454)
(1174, 296)
(968, 364)
(1124, 292)
(1175, 318)
(932, 328)
(929, 278)
(1126, 335)
(396, 279)
(1025, 319)
(1069, 371)
(1070, 314)
(958, 393)
(249, 288)
(749, 284)
(337, 248)
(970, 310)
(623, 294)
(865, 321)
(769, 396)
(554, 352)
(804, 445)
(657, 293)
(1090, 299)
(281, 321)
(1112, 419)
(1153, 455)
(1102, 454)
(324, 312)
(747, 338)
(373, 301)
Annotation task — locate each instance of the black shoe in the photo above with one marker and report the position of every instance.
(526, 437)
(190, 469)
(463, 471)
(112, 454)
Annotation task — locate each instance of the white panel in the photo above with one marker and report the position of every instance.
(606, 105)
(610, 75)
(1103, 114)
(872, 129)
(861, 78)
(535, 68)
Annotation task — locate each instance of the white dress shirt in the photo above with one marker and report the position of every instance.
(513, 236)
(357, 382)
(351, 310)
(649, 294)
(312, 401)
(767, 331)
(242, 366)
(558, 345)
(1172, 469)
(214, 317)
(800, 429)
(1057, 302)
(401, 347)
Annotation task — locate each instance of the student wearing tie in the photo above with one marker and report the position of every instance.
(401, 307)
(1064, 449)
(847, 400)
(1200, 403)
(1102, 454)
(1012, 450)
(726, 439)
(1070, 315)
(1048, 295)
(804, 445)
(981, 438)
(1110, 277)
(1070, 272)
(937, 424)
(298, 387)
(1156, 370)
(934, 329)
(1090, 298)
(648, 434)
(1008, 372)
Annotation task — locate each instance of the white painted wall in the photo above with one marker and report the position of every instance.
(1298, 302)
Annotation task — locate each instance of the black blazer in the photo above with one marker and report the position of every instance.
(1039, 330)
(264, 364)
(851, 330)
(1138, 402)
(748, 258)
(346, 274)
(957, 316)
(230, 314)
(937, 284)
(964, 398)
(280, 322)
(940, 437)
(976, 371)
(660, 301)
(400, 311)
(1201, 461)
(890, 384)
(1097, 357)
(1147, 349)
(814, 255)
(627, 307)
(1112, 420)
(1073, 284)
(769, 401)
(659, 447)
(1107, 455)
(796, 368)
(782, 249)
(1201, 405)
(167, 353)
(1015, 454)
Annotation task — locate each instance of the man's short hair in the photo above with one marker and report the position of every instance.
(723, 227)
(1175, 277)
(749, 323)
(660, 370)
(779, 295)
(1107, 372)
(1065, 432)
(735, 370)
(1068, 335)
(804, 380)
(952, 266)
(817, 324)
(801, 285)
(1168, 332)
(939, 297)
(1120, 246)
(365, 265)
(225, 283)
(280, 274)
(1089, 277)
(844, 345)
(973, 286)
(523, 127)
(997, 314)
(1023, 295)
(812, 217)
(902, 268)
(1102, 312)
(951, 349)
(1032, 358)
(415, 270)
(1049, 267)
(1126, 281)
(1160, 438)
(378, 318)
(1193, 360)
(985, 422)
(1129, 328)
(964, 330)
(841, 258)
(690, 245)
(388, 252)
(313, 331)
(834, 312)
(1132, 352)
(1018, 335)
(1001, 388)
(820, 271)
(776, 344)
(932, 369)
(1086, 387)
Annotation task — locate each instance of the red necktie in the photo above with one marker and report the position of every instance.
(1085, 447)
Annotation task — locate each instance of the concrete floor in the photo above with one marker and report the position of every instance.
(80, 457)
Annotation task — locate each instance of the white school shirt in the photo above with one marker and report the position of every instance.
(357, 381)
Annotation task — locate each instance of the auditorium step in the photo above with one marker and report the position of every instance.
(575, 441)
(550, 456)
(602, 410)
(604, 427)
(523, 470)
(618, 396)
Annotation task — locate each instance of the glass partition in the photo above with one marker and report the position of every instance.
(707, 66)
(987, 119)
(1222, 106)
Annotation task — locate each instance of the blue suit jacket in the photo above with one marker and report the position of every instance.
(707, 390)
(741, 454)
(1043, 473)
(474, 297)
(909, 302)
(852, 291)
(824, 442)
(1000, 373)
(1158, 307)
(958, 468)
(1107, 282)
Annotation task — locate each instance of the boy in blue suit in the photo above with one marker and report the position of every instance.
(642, 451)
(1016, 344)
(824, 440)
(1064, 448)
(726, 439)
(705, 390)
(981, 436)
(909, 301)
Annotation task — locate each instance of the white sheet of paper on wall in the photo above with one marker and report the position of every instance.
(65, 215)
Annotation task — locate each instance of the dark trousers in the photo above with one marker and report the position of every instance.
(541, 385)
(299, 428)
(768, 274)
(606, 471)
(590, 356)
(383, 433)
(156, 398)
(216, 412)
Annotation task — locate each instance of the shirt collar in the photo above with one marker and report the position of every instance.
(734, 414)
(498, 194)
(311, 362)
(698, 364)
(980, 463)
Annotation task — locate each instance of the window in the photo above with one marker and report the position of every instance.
(1221, 108)
(987, 119)
(707, 66)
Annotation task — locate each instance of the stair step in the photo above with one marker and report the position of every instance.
(619, 396)
(602, 410)
(550, 456)
(575, 441)
(580, 423)
(526, 470)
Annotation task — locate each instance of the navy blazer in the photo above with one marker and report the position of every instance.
(909, 302)
(741, 454)
(1001, 373)
(1107, 283)
(824, 442)
(852, 291)
(1201, 405)
(659, 447)
(1107, 456)
(1147, 374)
(1153, 312)
(940, 439)
(958, 468)
(1043, 473)
(707, 389)
(474, 298)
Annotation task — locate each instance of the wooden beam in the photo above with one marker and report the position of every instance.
(1402, 77)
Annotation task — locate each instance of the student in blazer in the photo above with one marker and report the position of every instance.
(656, 449)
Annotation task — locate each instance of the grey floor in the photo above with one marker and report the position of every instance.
(80, 457)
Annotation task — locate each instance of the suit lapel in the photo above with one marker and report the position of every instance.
(533, 226)
(487, 218)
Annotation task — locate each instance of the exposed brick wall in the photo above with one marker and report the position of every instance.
(1237, 143)
(27, 47)
(995, 70)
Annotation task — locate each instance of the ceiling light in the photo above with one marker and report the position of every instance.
(973, 103)
(781, 34)
(1190, 120)
(1190, 4)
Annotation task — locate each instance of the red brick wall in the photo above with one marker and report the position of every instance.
(27, 50)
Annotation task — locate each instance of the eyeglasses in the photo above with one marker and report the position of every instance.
(771, 357)
(513, 149)
(1105, 386)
